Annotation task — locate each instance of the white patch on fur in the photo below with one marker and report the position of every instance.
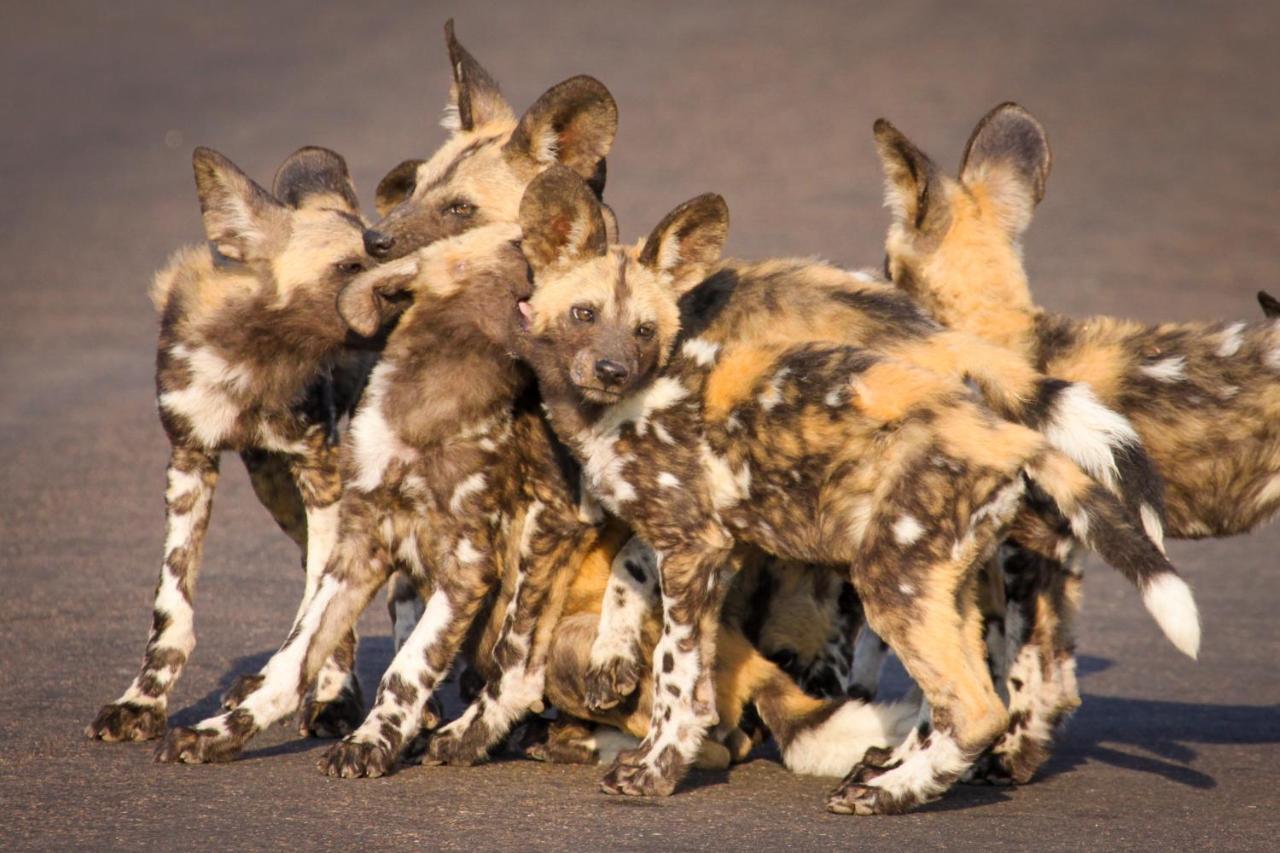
(1231, 340)
(835, 397)
(451, 118)
(1169, 599)
(668, 480)
(322, 537)
(374, 444)
(838, 744)
(207, 403)
(907, 530)
(1172, 369)
(603, 466)
(466, 552)
(703, 352)
(1266, 495)
(1088, 432)
(1152, 524)
(918, 774)
(728, 487)
(465, 489)
(772, 395)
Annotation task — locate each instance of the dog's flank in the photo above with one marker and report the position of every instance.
(251, 359)
(813, 451)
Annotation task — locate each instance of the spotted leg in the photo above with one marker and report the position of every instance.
(683, 690)
(357, 569)
(140, 713)
(617, 662)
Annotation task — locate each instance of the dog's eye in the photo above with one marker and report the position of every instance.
(583, 314)
(349, 267)
(645, 331)
(460, 208)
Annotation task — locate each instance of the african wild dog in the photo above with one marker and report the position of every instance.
(1204, 397)
(446, 475)
(815, 451)
(251, 359)
(479, 175)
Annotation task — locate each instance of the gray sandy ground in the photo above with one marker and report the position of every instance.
(1164, 203)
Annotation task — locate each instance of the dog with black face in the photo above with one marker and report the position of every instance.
(812, 450)
(252, 358)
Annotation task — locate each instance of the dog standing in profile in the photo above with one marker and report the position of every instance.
(252, 358)
(814, 451)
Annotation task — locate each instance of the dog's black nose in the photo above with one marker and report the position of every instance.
(378, 244)
(610, 372)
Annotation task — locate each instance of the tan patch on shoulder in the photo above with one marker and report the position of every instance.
(735, 377)
(889, 390)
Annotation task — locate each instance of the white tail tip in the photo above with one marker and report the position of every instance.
(1169, 599)
(838, 744)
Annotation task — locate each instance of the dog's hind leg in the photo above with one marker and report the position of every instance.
(616, 665)
(140, 713)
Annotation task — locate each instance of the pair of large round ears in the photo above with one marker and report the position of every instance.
(1008, 153)
(562, 222)
(241, 218)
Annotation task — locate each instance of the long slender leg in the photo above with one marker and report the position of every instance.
(548, 557)
(617, 663)
(358, 568)
(919, 591)
(140, 713)
(336, 705)
(420, 665)
(683, 692)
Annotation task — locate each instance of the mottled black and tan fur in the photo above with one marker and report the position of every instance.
(814, 451)
(252, 359)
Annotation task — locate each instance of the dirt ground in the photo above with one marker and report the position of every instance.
(1163, 204)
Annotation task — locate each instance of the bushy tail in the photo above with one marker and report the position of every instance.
(1099, 519)
(824, 737)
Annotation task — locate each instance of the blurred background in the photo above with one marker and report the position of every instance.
(1164, 203)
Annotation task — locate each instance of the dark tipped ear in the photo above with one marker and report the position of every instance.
(1011, 138)
(311, 173)
(560, 220)
(913, 185)
(396, 186)
(474, 97)
(1270, 305)
(241, 219)
(573, 123)
(688, 241)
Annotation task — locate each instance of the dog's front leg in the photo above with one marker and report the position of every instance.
(415, 672)
(140, 713)
(358, 568)
(683, 691)
(617, 663)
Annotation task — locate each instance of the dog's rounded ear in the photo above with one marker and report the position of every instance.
(913, 184)
(314, 174)
(688, 241)
(474, 97)
(375, 297)
(1270, 305)
(573, 123)
(561, 220)
(1008, 155)
(396, 186)
(241, 219)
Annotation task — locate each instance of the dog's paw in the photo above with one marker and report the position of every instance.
(127, 721)
(352, 759)
(457, 748)
(334, 719)
(607, 684)
(240, 689)
(192, 746)
(635, 775)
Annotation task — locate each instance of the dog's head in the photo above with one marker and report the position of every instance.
(602, 319)
(955, 245)
(302, 242)
(469, 283)
(479, 176)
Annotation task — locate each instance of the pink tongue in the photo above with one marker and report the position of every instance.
(526, 310)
